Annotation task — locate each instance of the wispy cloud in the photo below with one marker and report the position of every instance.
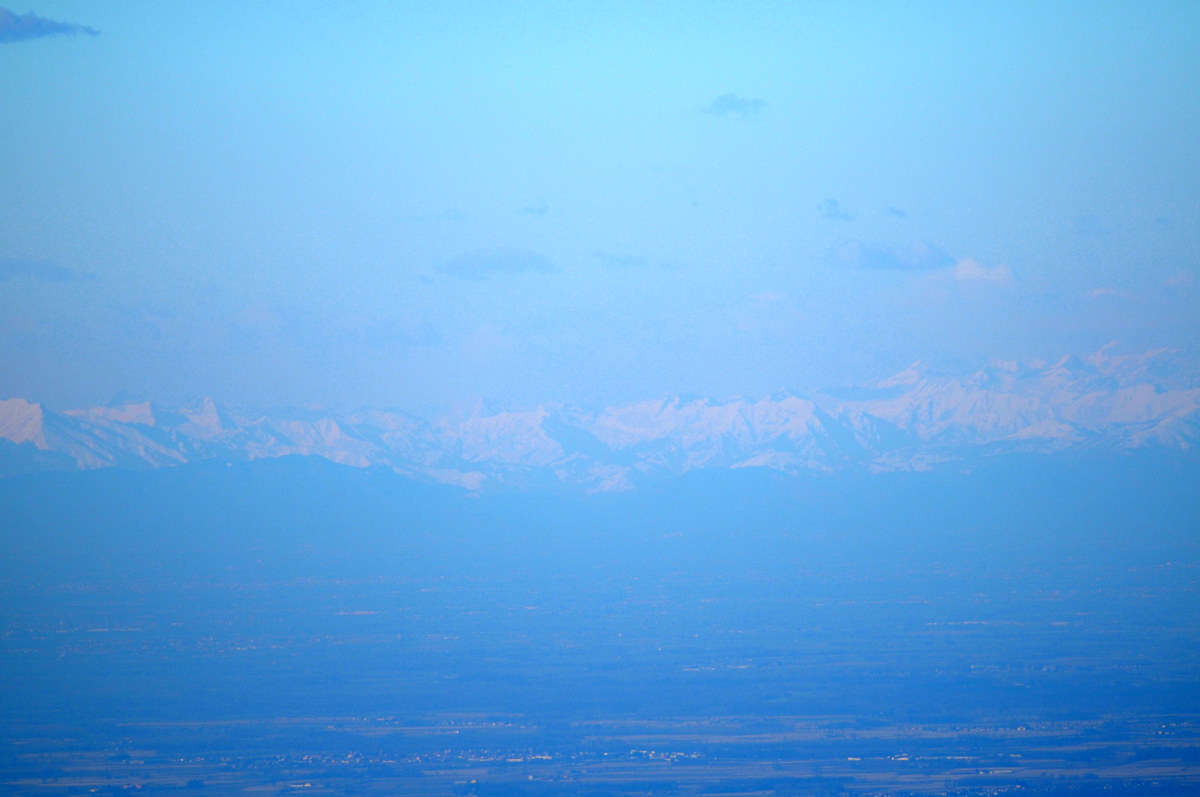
(486, 263)
(733, 105)
(1181, 279)
(918, 256)
(971, 270)
(38, 271)
(23, 27)
(1108, 293)
(830, 209)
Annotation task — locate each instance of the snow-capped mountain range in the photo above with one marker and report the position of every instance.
(913, 420)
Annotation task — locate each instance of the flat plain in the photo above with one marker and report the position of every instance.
(769, 660)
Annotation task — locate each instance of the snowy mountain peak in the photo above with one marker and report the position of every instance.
(909, 376)
(207, 419)
(135, 413)
(20, 421)
(910, 420)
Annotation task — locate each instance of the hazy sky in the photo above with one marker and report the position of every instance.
(410, 204)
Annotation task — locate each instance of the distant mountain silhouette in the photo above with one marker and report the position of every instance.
(914, 420)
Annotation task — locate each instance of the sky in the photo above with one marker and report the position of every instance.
(416, 204)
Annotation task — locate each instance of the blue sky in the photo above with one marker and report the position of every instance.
(414, 204)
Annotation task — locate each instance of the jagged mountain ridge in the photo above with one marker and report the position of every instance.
(912, 420)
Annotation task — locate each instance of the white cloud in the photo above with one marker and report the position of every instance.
(1181, 279)
(1100, 293)
(971, 270)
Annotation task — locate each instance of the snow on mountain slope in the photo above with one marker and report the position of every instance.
(1066, 403)
(507, 438)
(21, 422)
(911, 420)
